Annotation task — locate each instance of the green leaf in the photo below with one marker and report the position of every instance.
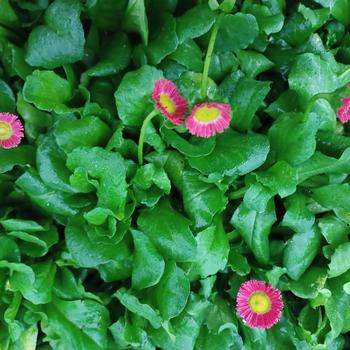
(257, 196)
(321, 164)
(148, 263)
(164, 40)
(150, 184)
(35, 121)
(107, 14)
(185, 330)
(310, 283)
(36, 244)
(339, 10)
(333, 196)
(189, 55)
(213, 249)
(7, 98)
(133, 95)
(87, 254)
(269, 21)
(175, 242)
(78, 324)
(22, 156)
(135, 306)
(280, 178)
(68, 133)
(135, 19)
(194, 23)
(222, 64)
(228, 338)
(300, 251)
(253, 63)
(8, 16)
(320, 78)
(21, 225)
(61, 39)
(340, 260)
(255, 228)
(50, 162)
(334, 230)
(47, 91)
(248, 97)
(9, 250)
(292, 139)
(337, 307)
(201, 200)
(109, 168)
(115, 56)
(172, 291)
(236, 32)
(67, 286)
(297, 217)
(14, 61)
(234, 154)
(28, 340)
(22, 276)
(41, 293)
(189, 83)
(238, 263)
(55, 203)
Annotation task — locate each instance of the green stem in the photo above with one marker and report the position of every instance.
(312, 101)
(143, 133)
(68, 69)
(233, 235)
(238, 194)
(347, 71)
(208, 56)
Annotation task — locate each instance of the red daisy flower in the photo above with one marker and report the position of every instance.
(11, 130)
(344, 111)
(259, 304)
(208, 119)
(169, 101)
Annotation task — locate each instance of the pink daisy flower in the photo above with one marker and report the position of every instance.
(259, 304)
(208, 119)
(344, 111)
(11, 130)
(169, 101)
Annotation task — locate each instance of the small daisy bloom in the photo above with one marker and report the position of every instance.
(11, 130)
(208, 119)
(344, 111)
(259, 304)
(169, 101)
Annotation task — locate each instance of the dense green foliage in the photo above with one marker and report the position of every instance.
(100, 253)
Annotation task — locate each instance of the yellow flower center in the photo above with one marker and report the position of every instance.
(259, 303)
(207, 114)
(5, 131)
(167, 103)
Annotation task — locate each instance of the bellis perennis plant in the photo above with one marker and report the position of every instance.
(206, 119)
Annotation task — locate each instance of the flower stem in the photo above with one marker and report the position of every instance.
(238, 193)
(68, 69)
(208, 56)
(143, 133)
(312, 101)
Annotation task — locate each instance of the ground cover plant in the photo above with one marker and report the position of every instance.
(174, 174)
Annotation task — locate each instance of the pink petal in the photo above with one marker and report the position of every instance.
(208, 129)
(258, 320)
(16, 127)
(167, 87)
